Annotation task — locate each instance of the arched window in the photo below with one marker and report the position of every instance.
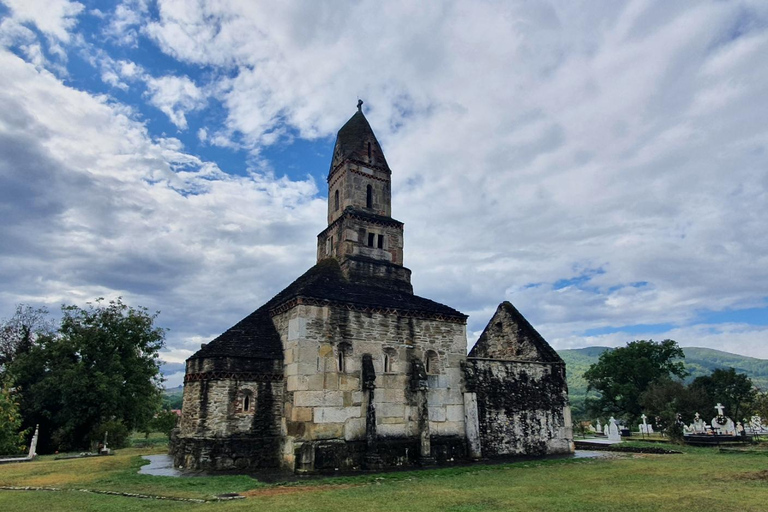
(369, 196)
(336, 200)
(343, 351)
(430, 362)
(390, 356)
(244, 401)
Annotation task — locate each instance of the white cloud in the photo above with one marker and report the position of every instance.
(175, 96)
(623, 144)
(125, 22)
(532, 144)
(54, 18)
(93, 206)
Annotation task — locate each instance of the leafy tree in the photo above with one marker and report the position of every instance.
(164, 422)
(101, 368)
(623, 374)
(18, 333)
(669, 400)
(11, 435)
(760, 404)
(734, 390)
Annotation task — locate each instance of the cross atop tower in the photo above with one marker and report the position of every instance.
(720, 408)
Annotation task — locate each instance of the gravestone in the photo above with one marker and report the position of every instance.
(722, 424)
(613, 431)
(599, 427)
(645, 428)
(699, 425)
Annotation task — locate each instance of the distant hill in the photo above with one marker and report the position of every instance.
(698, 361)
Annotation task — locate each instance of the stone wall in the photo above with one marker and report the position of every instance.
(231, 414)
(324, 398)
(522, 407)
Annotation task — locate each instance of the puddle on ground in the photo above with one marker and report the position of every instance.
(159, 465)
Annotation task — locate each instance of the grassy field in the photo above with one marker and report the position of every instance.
(699, 479)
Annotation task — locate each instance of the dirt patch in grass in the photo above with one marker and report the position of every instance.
(293, 489)
(761, 476)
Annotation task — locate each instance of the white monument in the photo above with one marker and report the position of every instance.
(722, 424)
(599, 427)
(613, 431)
(645, 428)
(699, 425)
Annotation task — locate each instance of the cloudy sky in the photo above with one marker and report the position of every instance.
(602, 165)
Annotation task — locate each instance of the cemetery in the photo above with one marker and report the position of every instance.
(720, 430)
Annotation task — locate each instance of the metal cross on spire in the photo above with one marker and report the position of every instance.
(359, 105)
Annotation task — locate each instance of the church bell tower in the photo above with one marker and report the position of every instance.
(361, 234)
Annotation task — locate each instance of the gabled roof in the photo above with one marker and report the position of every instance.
(351, 142)
(510, 336)
(255, 336)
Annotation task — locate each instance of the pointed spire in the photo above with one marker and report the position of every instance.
(356, 141)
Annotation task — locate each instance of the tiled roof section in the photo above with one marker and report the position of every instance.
(255, 336)
(351, 139)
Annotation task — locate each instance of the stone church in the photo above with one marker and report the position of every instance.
(347, 369)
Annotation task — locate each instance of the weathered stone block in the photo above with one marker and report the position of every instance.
(454, 413)
(325, 430)
(437, 414)
(348, 383)
(296, 383)
(335, 414)
(391, 430)
(390, 410)
(354, 429)
(318, 399)
(301, 414)
(297, 328)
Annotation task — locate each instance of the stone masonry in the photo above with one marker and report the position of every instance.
(347, 369)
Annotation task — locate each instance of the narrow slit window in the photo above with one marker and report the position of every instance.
(387, 363)
(369, 196)
(431, 363)
(380, 243)
(342, 362)
(336, 200)
(371, 239)
(369, 151)
(247, 403)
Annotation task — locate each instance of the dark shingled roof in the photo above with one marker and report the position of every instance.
(350, 141)
(255, 335)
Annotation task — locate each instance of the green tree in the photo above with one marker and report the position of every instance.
(164, 422)
(623, 374)
(101, 368)
(18, 333)
(734, 390)
(11, 434)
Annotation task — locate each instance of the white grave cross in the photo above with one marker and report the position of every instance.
(719, 408)
(644, 418)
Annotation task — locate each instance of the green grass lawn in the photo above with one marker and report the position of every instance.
(698, 479)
